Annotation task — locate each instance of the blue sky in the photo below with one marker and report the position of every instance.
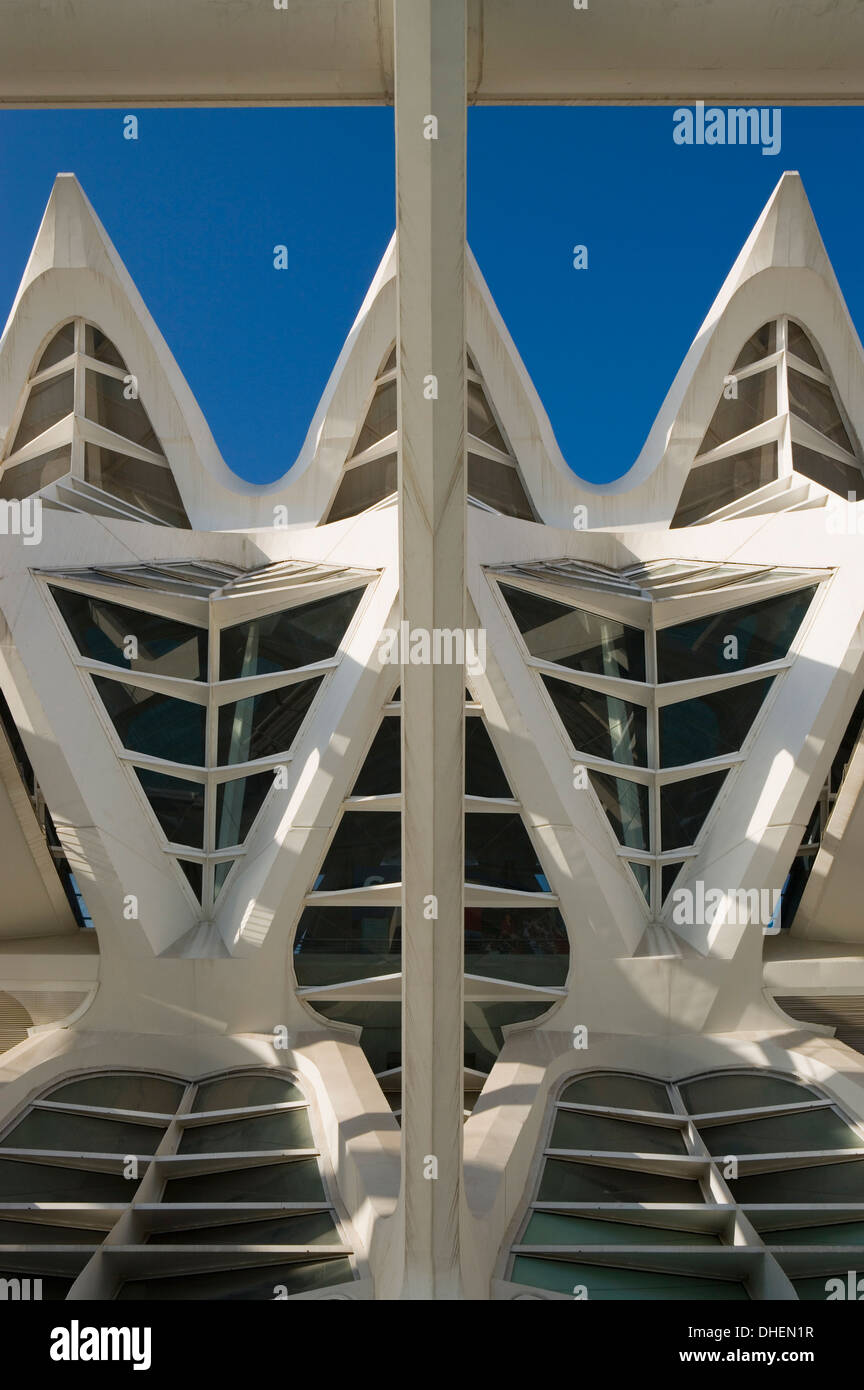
(197, 203)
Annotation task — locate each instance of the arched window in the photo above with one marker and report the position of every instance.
(707, 1188)
(168, 1180)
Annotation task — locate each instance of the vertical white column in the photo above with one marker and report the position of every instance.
(430, 43)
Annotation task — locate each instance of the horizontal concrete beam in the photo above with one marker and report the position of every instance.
(327, 52)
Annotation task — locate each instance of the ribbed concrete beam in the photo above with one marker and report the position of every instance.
(430, 188)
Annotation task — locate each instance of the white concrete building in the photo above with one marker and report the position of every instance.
(663, 973)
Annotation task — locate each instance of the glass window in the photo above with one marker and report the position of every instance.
(556, 1228)
(381, 1025)
(526, 945)
(35, 1233)
(838, 477)
(484, 775)
(122, 1091)
(499, 486)
(194, 873)
(603, 1133)
(668, 875)
(48, 1182)
(642, 875)
(148, 486)
(710, 486)
(52, 1129)
(102, 632)
(286, 1130)
(799, 343)
(763, 632)
(602, 726)
(61, 346)
(336, 944)
(607, 1282)
(305, 1228)
(362, 487)
(814, 402)
(282, 641)
(484, 1030)
(177, 804)
(711, 725)
(243, 1090)
(237, 804)
(263, 725)
(47, 403)
(795, 1133)
(98, 346)
(220, 873)
(565, 1180)
(380, 418)
(761, 344)
(366, 850)
(841, 1233)
(575, 638)
(741, 1091)
(106, 404)
(158, 725)
(499, 852)
(684, 807)
(296, 1181)
(617, 1090)
(754, 400)
(381, 773)
(481, 421)
(250, 1283)
(626, 806)
(23, 479)
(823, 1182)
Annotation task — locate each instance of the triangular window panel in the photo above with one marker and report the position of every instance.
(762, 632)
(750, 401)
(237, 805)
(363, 487)
(159, 646)
(798, 342)
(836, 476)
(23, 479)
(263, 726)
(100, 348)
(380, 419)
(761, 344)
(684, 807)
(177, 804)
(498, 486)
(601, 726)
(381, 773)
(813, 402)
(576, 638)
(47, 403)
(709, 726)
(484, 775)
(710, 486)
(642, 875)
(194, 874)
(288, 638)
(625, 804)
(481, 420)
(220, 874)
(61, 346)
(107, 402)
(154, 724)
